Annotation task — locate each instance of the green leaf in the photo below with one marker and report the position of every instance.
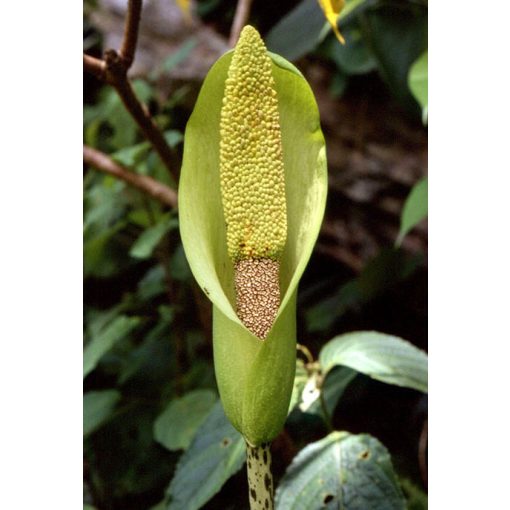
(178, 56)
(154, 358)
(173, 137)
(144, 246)
(97, 408)
(152, 284)
(179, 267)
(383, 357)
(215, 454)
(351, 6)
(396, 33)
(298, 32)
(160, 506)
(352, 58)
(333, 388)
(351, 472)
(177, 425)
(415, 209)
(387, 269)
(418, 83)
(131, 156)
(240, 357)
(416, 498)
(104, 340)
(307, 388)
(110, 109)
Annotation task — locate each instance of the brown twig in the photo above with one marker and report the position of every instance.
(127, 51)
(240, 18)
(113, 70)
(147, 184)
(94, 66)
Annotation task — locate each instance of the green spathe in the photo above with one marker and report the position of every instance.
(254, 377)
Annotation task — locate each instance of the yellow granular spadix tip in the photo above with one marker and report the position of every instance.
(251, 160)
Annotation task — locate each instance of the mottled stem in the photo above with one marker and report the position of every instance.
(260, 479)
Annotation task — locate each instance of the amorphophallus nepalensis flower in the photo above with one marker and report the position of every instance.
(252, 195)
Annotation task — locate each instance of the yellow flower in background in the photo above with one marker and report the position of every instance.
(332, 9)
(185, 7)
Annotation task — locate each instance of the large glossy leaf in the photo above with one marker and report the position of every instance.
(341, 471)
(383, 357)
(216, 453)
(97, 408)
(104, 340)
(176, 426)
(415, 209)
(255, 395)
(418, 83)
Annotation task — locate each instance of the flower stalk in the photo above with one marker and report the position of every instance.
(260, 478)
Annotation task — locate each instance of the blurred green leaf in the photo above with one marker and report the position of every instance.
(387, 269)
(154, 359)
(215, 454)
(338, 84)
(144, 246)
(124, 458)
(98, 406)
(383, 357)
(104, 340)
(160, 506)
(418, 83)
(176, 426)
(396, 33)
(105, 206)
(298, 32)
(351, 7)
(351, 472)
(179, 267)
(178, 56)
(416, 498)
(152, 284)
(352, 58)
(131, 156)
(111, 110)
(99, 253)
(173, 137)
(415, 209)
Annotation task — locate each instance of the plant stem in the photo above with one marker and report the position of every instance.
(127, 51)
(260, 478)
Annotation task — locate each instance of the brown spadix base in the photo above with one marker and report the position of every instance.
(257, 294)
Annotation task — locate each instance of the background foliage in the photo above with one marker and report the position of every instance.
(154, 432)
